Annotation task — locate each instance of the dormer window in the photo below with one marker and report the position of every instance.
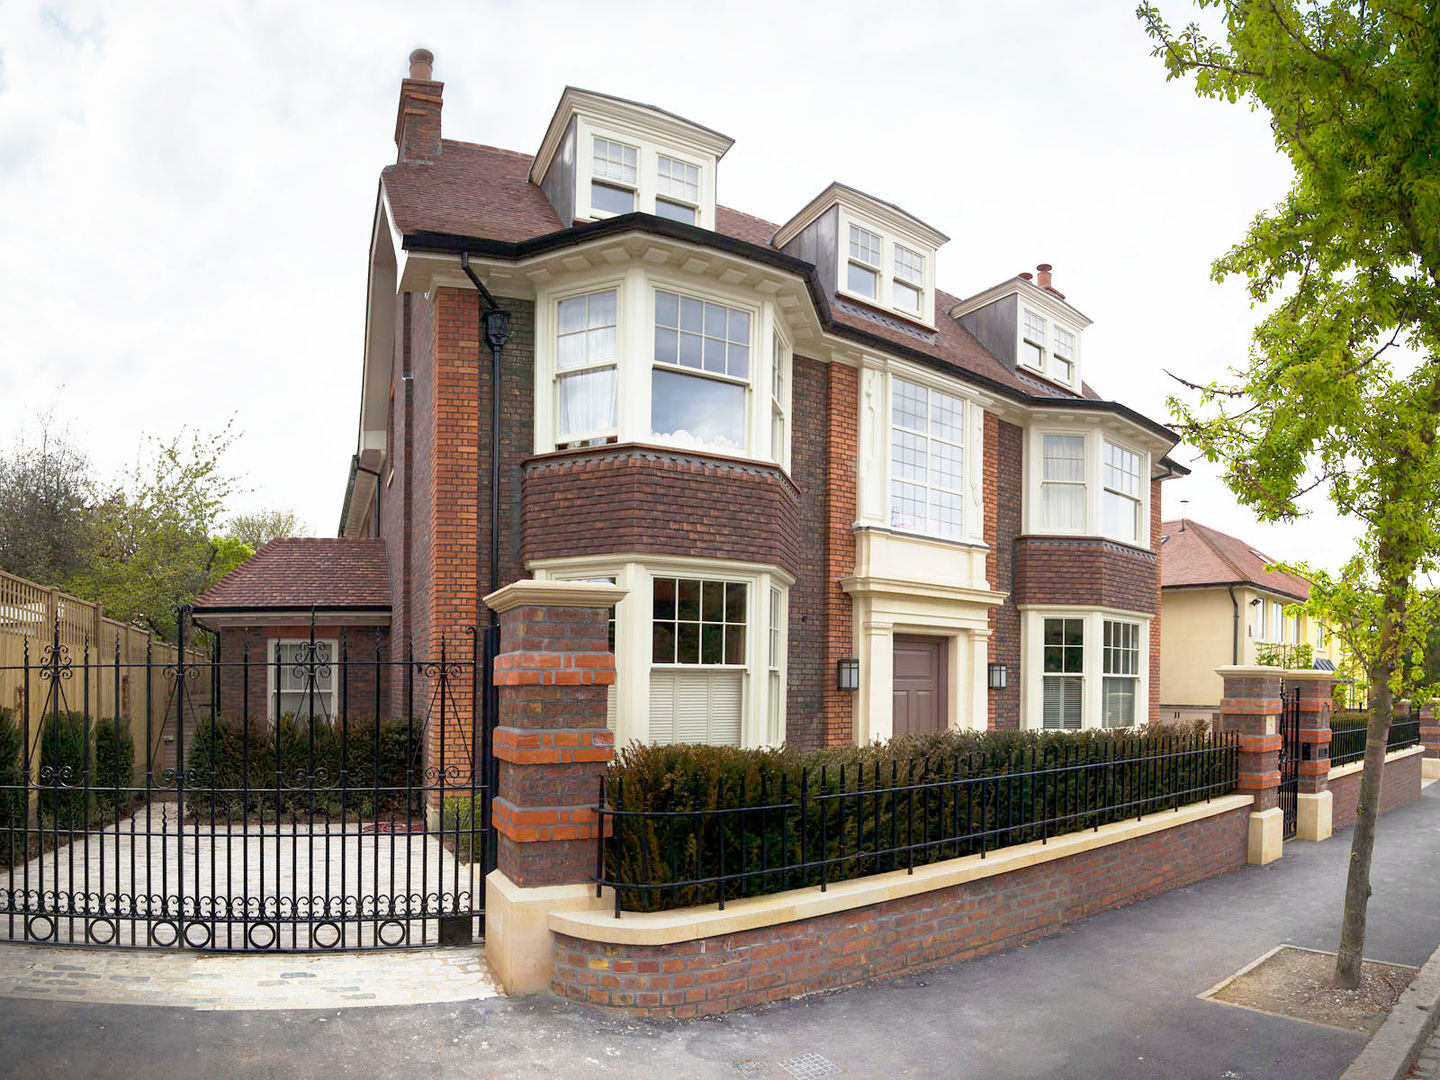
(1064, 355)
(616, 174)
(677, 190)
(863, 276)
(909, 287)
(1032, 341)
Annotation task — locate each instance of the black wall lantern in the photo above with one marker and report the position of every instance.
(998, 674)
(847, 674)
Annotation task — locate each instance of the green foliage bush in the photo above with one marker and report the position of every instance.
(234, 769)
(459, 827)
(1294, 657)
(880, 807)
(12, 789)
(67, 770)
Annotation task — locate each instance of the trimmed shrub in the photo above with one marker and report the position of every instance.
(788, 819)
(67, 770)
(235, 769)
(457, 819)
(12, 790)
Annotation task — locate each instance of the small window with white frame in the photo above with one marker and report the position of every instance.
(1120, 679)
(1032, 341)
(677, 190)
(1062, 356)
(585, 369)
(698, 657)
(1123, 493)
(302, 681)
(908, 291)
(927, 476)
(1063, 678)
(1062, 483)
(779, 400)
(775, 665)
(863, 273)
(615, 176)
(701, 372)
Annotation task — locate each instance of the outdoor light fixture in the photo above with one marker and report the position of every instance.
(847, 674)
(998, 675)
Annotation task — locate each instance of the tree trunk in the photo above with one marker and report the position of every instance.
(1367, 810)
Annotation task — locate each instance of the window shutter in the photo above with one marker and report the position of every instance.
(696, 707)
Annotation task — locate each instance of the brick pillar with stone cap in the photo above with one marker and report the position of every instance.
(1430, 739)
(1317, 702)
(552, 747)
(1251, 708)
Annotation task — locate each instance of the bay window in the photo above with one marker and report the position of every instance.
(1064, 674)
(1122, 493)
(927, 478)
(779, 399)
(585, 363)
(701, 372)
(1062, 483)
(615, 176)
(1121, 674)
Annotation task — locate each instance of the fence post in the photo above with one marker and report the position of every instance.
(1315, 801)
(552, 746)
(1430, 739)
(1251, 707)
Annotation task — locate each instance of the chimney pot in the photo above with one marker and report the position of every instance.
(1027, 276)
(422, 65)
(1042, 277)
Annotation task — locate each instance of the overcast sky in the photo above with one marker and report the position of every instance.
(186, 190)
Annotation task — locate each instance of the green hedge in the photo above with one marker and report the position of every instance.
(885, 805)
(218, 769)
(12, 789)
(66, 771)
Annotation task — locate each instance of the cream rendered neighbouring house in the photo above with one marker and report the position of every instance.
(1220, 604)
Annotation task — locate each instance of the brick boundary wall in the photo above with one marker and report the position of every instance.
(1400, 786)
(751, 967)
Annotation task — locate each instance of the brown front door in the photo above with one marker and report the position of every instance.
(919, 685)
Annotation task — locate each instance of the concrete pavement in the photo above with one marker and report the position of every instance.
(1111, 997)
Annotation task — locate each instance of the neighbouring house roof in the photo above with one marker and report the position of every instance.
(301, 573)
(1194, 555)
(485, 192)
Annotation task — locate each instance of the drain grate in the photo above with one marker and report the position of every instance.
(810, 1066)
(752, 1068)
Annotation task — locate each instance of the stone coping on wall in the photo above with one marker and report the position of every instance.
(1354, 767)
(750, 913)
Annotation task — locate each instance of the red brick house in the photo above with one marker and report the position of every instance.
(799, 455)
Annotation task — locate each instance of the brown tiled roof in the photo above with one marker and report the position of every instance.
(485, 192)
(303, 572)
(1199, 555)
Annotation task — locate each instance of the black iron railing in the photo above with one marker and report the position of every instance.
(660, 850)
(1348, 732)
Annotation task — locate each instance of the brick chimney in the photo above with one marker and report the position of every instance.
(1042, 278)
(417, 127)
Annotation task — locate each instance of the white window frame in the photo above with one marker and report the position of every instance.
(609, 181)
(634, 634)
(745, 382)
(1049, 343)
(1107, 489)
(1032, 661)
(1065, 674)
(272, 695)
(665, 176)
(885, 268)
(929, 487)
(634, 346)
(1029, 335)
(1069, 357)
(647, 187)
(1106, 675)
(1095, 437)
(1082, 483)
(782, 375)
(599, 435)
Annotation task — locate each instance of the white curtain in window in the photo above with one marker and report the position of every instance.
(1117, 702)
(1062, 491)
(587, 402)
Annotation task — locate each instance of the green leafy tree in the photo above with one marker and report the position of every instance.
(149, 536)
(44, 483)
(1341, 391)
(262, 526)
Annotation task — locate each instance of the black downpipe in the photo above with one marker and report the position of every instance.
(1235, 627)
(496, 323)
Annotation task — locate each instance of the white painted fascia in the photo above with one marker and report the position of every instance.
(1030, 293)
(888, 216)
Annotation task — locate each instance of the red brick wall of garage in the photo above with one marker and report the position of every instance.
(1086, 572)
(740, 970)
(616, 499)
(1003, 479)
(364, 700)
(1401, 785)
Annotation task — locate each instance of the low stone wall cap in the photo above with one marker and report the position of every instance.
(1250, 671)
(575, 594)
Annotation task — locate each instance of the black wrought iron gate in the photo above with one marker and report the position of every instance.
(1290, 761)
(320, 792)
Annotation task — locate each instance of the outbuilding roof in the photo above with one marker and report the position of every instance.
(1193, 555)
(300, 573)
